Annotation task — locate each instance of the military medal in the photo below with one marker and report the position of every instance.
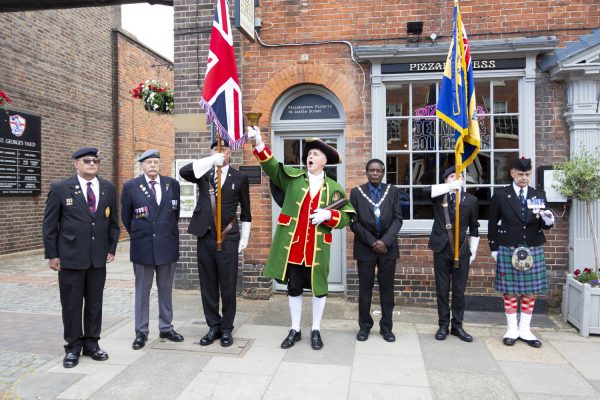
(69, 201)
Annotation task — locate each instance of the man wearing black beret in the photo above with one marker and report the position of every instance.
(150, 213)
(516, 227)
(81, 231)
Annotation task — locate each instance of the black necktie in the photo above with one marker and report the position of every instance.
(452, 205)
(523, 204)
(91, 198)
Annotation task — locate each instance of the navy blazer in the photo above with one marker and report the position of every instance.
(152, 228)
(505, 226)
(72, 233)
(364, 227)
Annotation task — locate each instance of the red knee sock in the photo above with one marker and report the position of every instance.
(527, 303)
(510, 304)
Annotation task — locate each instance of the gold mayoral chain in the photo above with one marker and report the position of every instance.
(376, 211)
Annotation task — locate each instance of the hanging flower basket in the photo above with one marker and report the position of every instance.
(154, 96)
(4, 99)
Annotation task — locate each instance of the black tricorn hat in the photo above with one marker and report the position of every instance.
(333, 157)
(522, 164)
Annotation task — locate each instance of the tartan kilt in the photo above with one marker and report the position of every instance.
(512, 281)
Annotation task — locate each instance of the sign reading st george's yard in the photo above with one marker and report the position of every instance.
(20, 154)
(438, 66)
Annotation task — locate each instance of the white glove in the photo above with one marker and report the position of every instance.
(473, 244)
(495, 255)
(443, 188)
(547, 216)
(203, 165)
(319, 216)
(244, 236)
(254, 132)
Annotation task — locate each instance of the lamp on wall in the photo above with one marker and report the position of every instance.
(414, 29)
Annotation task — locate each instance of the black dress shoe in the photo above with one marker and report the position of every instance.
(441, 333)
(388, 336)
(509, 341)
(362, 335)
(291, 338)
(209, 338)
(533, 343)
(71, 360)
(226, 339)
(97, 354)
(462, 335)
(315, 340)
(172, 336)
(140, 341)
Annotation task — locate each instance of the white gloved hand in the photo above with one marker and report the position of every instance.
(218, 159)
(438, 190)
(456, 185)
(473, 244)
(319, 216)
(254, 132)
(495, 255)
(547, 216)
(245, 235)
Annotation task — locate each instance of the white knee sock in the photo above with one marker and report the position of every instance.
(524, 327)
(318, 305)
(295, 303)
(512, 332)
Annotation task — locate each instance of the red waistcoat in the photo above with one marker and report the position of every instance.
(303, 246)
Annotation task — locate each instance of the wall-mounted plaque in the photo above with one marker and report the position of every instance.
(310, 106)
(252, 172)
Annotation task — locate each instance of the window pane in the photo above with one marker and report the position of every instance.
(423, 134)
(446, 136)
(423, 169)
(482, 93)
(397, 134)
(331, 172)
(502, 164)
(397, 169)
(478, 172)
(423, 99)
(506, 96)
(506, 131)
(397, 101)
(405, 203)
(484, 131)
(483, 196)
(291, 152)
(422, 205)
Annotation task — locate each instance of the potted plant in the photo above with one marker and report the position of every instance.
(579, 179)
(155, 97)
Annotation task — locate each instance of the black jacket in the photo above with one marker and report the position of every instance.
(234, 190)
(468, 218)
(72, 233)
(505, 226)
(363, 224)
(152, 228)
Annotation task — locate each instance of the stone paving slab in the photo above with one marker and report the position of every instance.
(372, 391)
(389, 370)
(586, 362)
(338, 349)
(225, 386)
(447, 385)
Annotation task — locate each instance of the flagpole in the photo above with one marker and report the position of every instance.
(457, 169)
(219, 233)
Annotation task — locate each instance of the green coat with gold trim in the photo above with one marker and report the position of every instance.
(294, 183)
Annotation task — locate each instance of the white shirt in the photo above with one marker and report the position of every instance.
(156, 187)
(518, 189)
(315, 182)
(95, 188)
(224, 171)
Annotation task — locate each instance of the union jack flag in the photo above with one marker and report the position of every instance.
(221, 95)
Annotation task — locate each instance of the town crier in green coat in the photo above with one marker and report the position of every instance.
(299, 255)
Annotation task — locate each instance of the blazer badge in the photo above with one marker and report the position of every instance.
(69, 201)
(107, 211)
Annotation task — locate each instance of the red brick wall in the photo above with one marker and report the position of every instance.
(56, 64)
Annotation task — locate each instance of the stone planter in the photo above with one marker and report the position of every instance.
(581, 306)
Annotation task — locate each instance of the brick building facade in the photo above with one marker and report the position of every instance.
(74, 68)
(354, 58)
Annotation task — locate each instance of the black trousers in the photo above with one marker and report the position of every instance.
(447, 278)
(218, 274)
(77, 286)
(386, 270)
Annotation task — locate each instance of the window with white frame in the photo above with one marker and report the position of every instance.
(419, 146)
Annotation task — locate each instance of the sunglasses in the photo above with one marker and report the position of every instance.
(91, 160)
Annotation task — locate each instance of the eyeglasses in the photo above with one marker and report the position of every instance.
(91, 160)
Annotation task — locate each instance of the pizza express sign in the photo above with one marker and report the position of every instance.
(20, 154)
(438, 66)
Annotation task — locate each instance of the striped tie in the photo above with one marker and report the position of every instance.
(91, 198)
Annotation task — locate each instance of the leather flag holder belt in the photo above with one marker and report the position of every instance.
(213, 204)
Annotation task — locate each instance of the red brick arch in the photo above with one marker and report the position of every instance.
(340, 85)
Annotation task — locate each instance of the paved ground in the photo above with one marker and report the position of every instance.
(414, 367)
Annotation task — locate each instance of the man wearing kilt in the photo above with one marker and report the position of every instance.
(515, 233)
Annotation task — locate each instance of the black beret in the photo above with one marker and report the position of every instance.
(332, 155)
(224, 143)
(152, 153)
(448, 172)
(522, 164)
(85, 151)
